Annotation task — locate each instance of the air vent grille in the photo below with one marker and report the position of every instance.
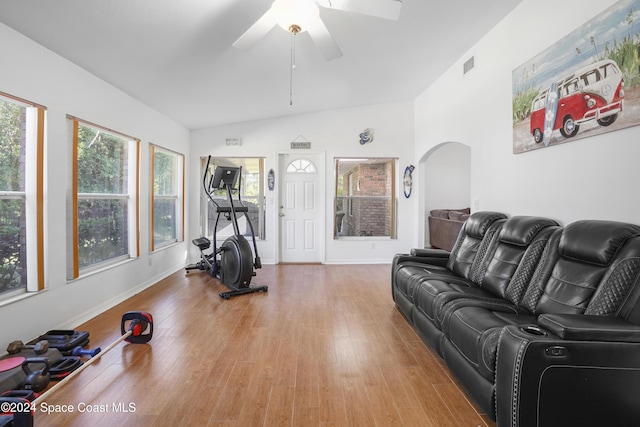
(468, 66)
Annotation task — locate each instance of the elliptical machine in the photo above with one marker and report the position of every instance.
(232, 262)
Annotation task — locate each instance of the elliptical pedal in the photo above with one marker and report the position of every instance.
(242, 291)
(202, 243)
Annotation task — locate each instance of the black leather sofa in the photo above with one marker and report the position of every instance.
(539, 323)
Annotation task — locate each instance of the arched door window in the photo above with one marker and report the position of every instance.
(301, 166)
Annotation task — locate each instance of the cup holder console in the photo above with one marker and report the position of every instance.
(533, 330)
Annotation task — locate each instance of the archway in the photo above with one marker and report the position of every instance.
(445, 182)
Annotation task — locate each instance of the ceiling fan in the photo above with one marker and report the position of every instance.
(297, 16)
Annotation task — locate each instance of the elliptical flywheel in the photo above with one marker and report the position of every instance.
(236, 262)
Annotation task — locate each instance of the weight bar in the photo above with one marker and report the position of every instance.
(139, 330)
(17, 346)
(79, 351)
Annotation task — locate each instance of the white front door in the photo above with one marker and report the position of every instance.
(301, 207)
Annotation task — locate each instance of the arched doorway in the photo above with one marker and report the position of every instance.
(445, 182)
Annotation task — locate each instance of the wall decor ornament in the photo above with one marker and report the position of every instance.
(585, 84)
(271, 179)
(366, 136)
(407, 180)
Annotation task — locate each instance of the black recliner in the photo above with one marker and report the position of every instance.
(549, 333)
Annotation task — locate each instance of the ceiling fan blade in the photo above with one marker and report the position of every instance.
(321, 37)
(387, 9)
(258, 30)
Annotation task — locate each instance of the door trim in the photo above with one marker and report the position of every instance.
(322, 177)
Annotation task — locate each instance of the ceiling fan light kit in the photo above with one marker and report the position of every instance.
(295, 15)
(298, 16)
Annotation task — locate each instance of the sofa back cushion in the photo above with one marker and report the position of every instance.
(578, 264)
(517, 235)
(595, 242)
(473, 241)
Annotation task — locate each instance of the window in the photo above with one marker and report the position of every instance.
(167, 203)
(104, 205)
(301, 166)
(252, 188)
(22, 126)
(365, 198)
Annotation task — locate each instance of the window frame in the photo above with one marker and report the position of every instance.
(348, 200)
(132, 197)
(178, 196)
(206, 206)
(32, 196)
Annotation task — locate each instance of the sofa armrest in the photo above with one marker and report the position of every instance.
(579, 327)
(544, 380)
(430, 252)
(437, 258)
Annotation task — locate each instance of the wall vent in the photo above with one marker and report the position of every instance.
(468, 66)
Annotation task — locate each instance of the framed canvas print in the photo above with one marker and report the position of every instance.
(585, 84)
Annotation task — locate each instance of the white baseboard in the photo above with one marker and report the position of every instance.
(94, 311)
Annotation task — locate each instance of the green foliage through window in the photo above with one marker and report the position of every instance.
(167, 209)
(103, 196)
(13, 271)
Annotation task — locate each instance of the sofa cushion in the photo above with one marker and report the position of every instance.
(433, 286)
(595, 241)
(456, 215)
(440, 213)
(474, 331)
(478, 223)
(520, 230)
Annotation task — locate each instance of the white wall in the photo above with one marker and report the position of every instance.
(588, 178)
(335, 133)
(31, 72)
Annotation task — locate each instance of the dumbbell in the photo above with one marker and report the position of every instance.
(40, 347)
(79, 351)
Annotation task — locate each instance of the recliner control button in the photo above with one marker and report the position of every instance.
(556, 351)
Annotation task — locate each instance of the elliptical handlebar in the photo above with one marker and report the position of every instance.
(207, 185)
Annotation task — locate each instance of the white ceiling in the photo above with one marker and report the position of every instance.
(177, 56)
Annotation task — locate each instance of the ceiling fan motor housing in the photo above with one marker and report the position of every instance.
(295, 16)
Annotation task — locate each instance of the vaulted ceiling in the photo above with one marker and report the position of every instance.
(177, 55)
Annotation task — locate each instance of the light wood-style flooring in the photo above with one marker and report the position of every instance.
(325, 346)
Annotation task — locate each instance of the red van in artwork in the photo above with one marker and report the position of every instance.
(593, 92)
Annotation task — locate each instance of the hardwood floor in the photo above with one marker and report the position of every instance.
(324, 347)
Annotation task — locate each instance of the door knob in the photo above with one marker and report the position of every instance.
(281, 214)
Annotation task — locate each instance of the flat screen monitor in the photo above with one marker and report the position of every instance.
(225, 175)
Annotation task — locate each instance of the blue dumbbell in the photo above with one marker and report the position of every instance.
(79, 351)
